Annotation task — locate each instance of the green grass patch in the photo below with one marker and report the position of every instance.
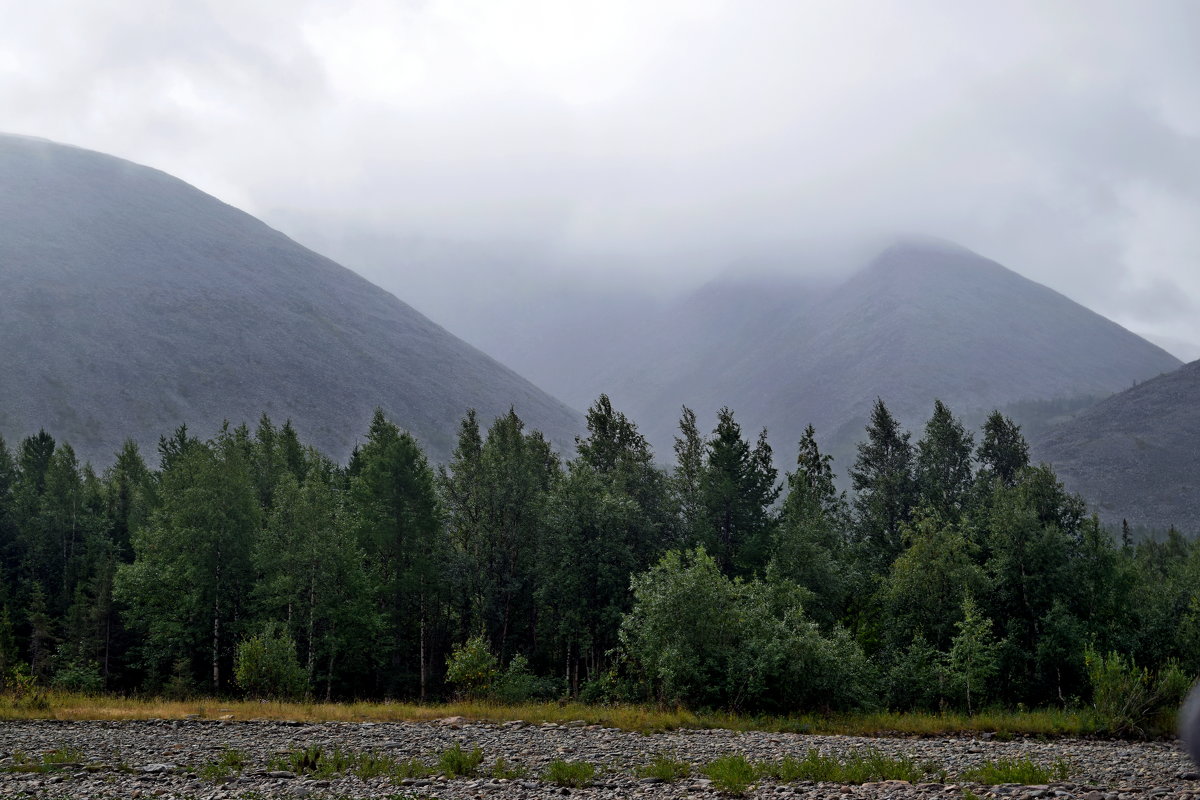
(1012, 770)
(506, 771)
(856, 767)
(52, 760)
(731, 774)
(664, 768)
(575, 774)
(458, 763)
(231, 762)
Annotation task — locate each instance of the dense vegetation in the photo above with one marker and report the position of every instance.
(957, 575)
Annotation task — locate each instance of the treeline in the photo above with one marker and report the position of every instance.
(956, 574)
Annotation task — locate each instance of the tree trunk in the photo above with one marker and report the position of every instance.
(216, 644)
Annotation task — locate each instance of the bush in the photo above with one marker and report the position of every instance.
(704, 640)
(471, 668)
(266, 666)
(1131, 700)
(517, 684)
(79, 676)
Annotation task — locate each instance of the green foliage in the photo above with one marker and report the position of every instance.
(1130, 700)
(973, 662)
(24, 691)
(704, 639)
(472, 668)
(575, 774)
(231, 762)
(518, 683)
(49, 761)
(1011, 770)
(266, 666)
(506, 771)
(455, 762)
(731, 774)
(665, 768)
(79, 677)
(855, 767)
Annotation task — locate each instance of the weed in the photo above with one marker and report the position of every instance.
(664, 768)
(48, 762)
(731, 774)
(458, 763)
(229, 763)
(1011, 770)
(374, 765)
(575, 774)
(969, 795)
(854, 768)
(412, 768)
(502, 769)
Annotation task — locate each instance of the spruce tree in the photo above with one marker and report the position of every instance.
(882, 477)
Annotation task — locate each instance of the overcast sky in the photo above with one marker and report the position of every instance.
(663, 139)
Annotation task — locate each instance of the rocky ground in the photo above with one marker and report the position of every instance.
(175, 759)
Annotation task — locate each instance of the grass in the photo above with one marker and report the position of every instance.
(231, 762)
(855, 768)
(643, 719)
(731, 774)
(575, 774)
(48, 762)
(503, 769)
(1011, 770)
(664, 768)
(458, 763)
(317, 763)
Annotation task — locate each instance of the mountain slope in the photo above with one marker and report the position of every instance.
(135, 302)
(923, 320)
(1136, 456)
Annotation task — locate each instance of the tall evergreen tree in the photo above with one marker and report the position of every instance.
(738, 486)
(399, 523)
(1003, 453)
(882, 477)
(943, 464)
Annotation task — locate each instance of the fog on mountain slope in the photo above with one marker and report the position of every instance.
(135, 303)
(1136, 456)
(923, 320)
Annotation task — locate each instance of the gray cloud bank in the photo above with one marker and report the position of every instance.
(451, 148)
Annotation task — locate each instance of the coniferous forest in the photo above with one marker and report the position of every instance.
(953, 574)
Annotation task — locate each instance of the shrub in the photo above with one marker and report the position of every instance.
(705, 640)
(266, 666)
(459, 763)
(575, 774)
(82, 677)
(517, 684)
(730, 774)
(471, 668)
(1129, 699)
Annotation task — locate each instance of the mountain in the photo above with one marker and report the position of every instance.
(922, 320)
(1136, 456)
(135, 302)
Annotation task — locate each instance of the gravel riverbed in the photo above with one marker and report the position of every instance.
(165, 759)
